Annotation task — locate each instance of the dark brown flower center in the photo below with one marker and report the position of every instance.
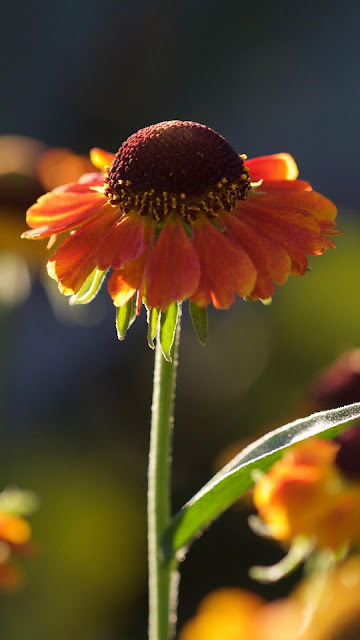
(176, 166)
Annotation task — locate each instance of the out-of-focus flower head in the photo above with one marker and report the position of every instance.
(15, 535)
(325, 606)
(178, 214)
(27, 168)
(306, 494)
(236, 614)
(338, 384)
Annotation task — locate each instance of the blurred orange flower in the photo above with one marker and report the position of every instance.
(179, 214)
(305, 494)
(15, 536)
(236, 614)
(325, 606)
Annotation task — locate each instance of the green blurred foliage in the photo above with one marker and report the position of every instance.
(90, 538)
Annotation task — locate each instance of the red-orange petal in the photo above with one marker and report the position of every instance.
(270, 259)
(100, 158)
(84, 184)
(59, 211)
(279, 186)
(225, 267)
(297, 231)
(73, 262)
(279, 166)
(123, 284)
(320, 207)
(124, 242)
(174, 271)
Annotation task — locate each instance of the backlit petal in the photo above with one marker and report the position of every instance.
(225, 267)
(174, 269)
(92, 179)
(322, 208)
(123, 284)
(124, 242)
(297, 231)
(100, 158)
(59, 211)
(270, 259)
(77, 257)
(279, 166)
(279, 186)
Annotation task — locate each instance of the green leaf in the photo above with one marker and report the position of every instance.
(90, 288)
(152, 319)
(125, 316)
(168, 322)
(237, 476)
(199, 317)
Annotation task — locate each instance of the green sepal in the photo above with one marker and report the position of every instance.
(152, 320)
(266, 301)
(167, 330)
(199, 317)
(299, 551)
(125, 316)
(90, 288)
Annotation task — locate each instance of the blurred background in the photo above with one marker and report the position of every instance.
(74, 401)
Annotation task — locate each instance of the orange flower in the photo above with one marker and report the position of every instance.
(325, 606)
(15, 541)
(236, 614)
(179, 214)
(305, 494)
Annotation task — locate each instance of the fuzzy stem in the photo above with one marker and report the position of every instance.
(162, 578)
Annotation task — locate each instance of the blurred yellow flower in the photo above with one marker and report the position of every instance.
(330, 603)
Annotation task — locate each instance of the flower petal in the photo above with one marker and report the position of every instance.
(174, 270)
(270, 259)
(92, 179)
(279, 166)
(122, 284)
(100, 158)
(279, 186)
(124, 242)
(73, 262)
(320, 207)
(59, 211)
(296, 230)
(225, 267)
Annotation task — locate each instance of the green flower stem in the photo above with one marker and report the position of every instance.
(162, 577)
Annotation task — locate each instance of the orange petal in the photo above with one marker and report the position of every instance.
(92, 179)
(270, 259)
(174, 269)
(279, 186)
(100, 158)
(297, 231)
(123, 284)
(279, 166)
(225, 267)
(322, 208)
(124, 242)
(59, 211)
(73, 262)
